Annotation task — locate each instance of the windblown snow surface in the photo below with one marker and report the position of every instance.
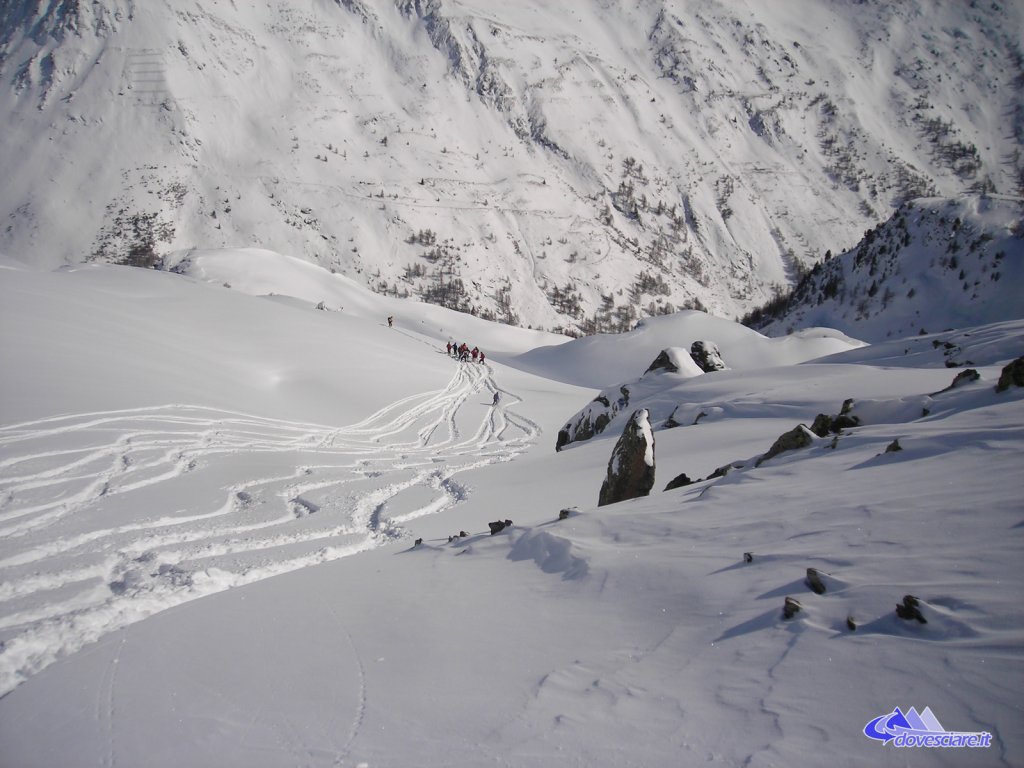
(210, 498)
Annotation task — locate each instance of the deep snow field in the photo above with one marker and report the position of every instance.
(210, 497)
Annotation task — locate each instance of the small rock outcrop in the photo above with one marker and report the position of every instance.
(797, 438)
(824, 425)
(678, 482)
(670, 422)
(965, 377)
(815, 582)
(725, 469)
(790, 608)
(707, 357)
(1011, 376)
(910, 609)
(631, 466)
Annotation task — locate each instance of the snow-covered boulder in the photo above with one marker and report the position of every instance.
(663, 362)
(631, 467)
(707, 357)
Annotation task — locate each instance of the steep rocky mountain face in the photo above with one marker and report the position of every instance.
(563, 165)
(934, 265)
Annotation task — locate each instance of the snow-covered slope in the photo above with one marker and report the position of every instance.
(621, 369)
(936, 264)
(555, 165)
(624, 356)
(210, 501)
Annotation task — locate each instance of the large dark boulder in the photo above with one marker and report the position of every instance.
(1012, 375)
(631, 466)
(707, 357)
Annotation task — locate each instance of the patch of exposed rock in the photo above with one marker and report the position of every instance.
(593, 419)
(824, 425)
(797, 438)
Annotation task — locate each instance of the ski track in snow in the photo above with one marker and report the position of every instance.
(90, 541)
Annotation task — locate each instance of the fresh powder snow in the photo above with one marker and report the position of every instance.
(236, 529)
(254, 513)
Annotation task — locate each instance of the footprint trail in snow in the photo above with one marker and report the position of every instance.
(107, 518)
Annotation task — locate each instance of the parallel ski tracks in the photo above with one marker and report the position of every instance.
(109, 517)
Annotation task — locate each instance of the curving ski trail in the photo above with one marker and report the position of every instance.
(109, 517)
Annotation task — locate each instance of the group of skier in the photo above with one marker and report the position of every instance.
(463, 353)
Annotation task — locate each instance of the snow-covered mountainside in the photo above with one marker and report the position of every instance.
(567, 165)
(936, 264)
